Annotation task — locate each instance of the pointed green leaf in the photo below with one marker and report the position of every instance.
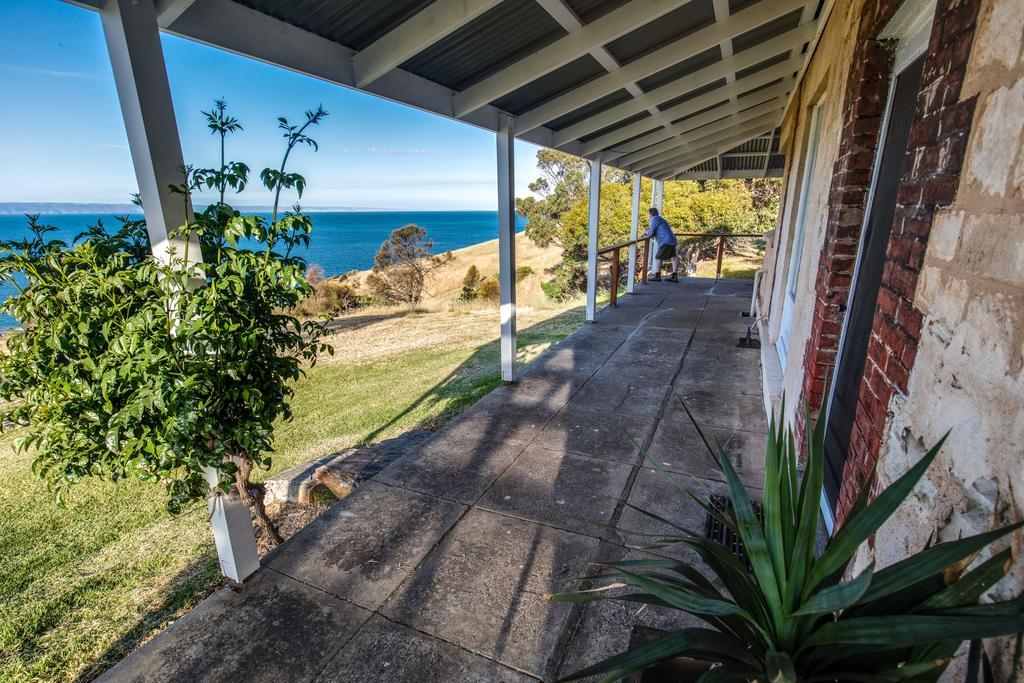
(835, 598)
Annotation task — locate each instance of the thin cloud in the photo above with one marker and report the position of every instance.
(414, 151)
(111, 145)
(55, 73)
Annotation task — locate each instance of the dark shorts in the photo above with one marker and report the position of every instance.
(665, 251)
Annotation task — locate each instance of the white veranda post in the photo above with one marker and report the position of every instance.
(507, 247)
(656, 196)
(634, 227)
(594, 216)
(133, 42)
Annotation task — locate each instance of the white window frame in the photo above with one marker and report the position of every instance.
(910, 27)
(799, 231)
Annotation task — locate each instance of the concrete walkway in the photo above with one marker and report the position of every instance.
(436, 569)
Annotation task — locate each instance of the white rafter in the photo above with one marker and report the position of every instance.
(663, 58)
(416, 34)
(701, 155)
(689, 83)
(599, 32)
(568, 20)
(168, 11)
(709, 146)
(701, 138)
(666, 117)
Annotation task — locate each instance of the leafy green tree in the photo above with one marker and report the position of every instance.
(161, 369)
(402, 264)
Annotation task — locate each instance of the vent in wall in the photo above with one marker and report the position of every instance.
(721, 534)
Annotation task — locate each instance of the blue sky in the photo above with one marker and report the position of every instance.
(62, 137)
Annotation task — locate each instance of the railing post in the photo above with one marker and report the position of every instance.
(643, 268)
(615, 278)
(721, 252)
(634, 224)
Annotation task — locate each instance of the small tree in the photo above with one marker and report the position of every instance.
(401, 266)
(470, 283)
(162, 369)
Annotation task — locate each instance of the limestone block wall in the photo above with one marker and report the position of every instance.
(968, 374)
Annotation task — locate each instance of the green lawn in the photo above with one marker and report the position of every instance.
(83, 585)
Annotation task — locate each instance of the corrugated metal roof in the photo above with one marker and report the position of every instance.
(759, 88)
(752, 146)
(708, 166)
(672, 26)
(771, 61)
(573, 74)
(692, 94)
(743, 163)
(625, 122)
(736, 5)
(681, 69)
(353, 23)
(588, 10)
(596, 107)
(496, 39)
(767, 31)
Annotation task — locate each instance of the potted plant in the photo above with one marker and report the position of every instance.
(794, 615)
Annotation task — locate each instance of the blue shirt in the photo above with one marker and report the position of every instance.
(660, 231)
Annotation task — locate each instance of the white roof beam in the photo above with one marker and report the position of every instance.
(701, 155)
(689, 83)
(607, 28)
(413, 36)
(168, 11)
(719, 117)
(666, 117)
(709, 146)
(230, 26)
(568, 20)
(670, 55)
(704, 137)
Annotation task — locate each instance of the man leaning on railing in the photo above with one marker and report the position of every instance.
(662, 234)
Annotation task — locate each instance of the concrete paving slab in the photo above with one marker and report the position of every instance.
(606, 627)
(499, 419)
(618, 392)
(597, 433)
(272, 628)
(656, 492)
(483, 588)
(677, 447)
(559, 489)
(719, 409)
(386, 652)
(363, 547)
(455, 468)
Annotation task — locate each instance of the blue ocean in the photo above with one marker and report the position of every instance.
(341, 241)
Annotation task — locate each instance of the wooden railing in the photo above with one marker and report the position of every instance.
(616, 251)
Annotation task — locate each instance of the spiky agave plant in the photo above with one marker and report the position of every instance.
(793, 618)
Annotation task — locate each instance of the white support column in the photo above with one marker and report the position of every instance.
(594, 217)
(133, 42)
(507, 246)
(634, 225)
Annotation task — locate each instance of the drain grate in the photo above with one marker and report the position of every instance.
(723, 535)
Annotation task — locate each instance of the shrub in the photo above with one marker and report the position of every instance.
(523, 272)
(792, 617)
(570, 279)
(490, 289)
(401, 266)
(163, 369)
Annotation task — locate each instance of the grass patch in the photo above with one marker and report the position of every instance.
(82, 586)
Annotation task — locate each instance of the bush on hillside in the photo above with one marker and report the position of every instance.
(470, 284)
(401, 266)
(523, 272)
(490, 290)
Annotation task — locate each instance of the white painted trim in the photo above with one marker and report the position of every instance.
(593, 223)
(799, 231)
(507, 247)
(911, 27)
(634, 227)
(168, 11)
(416, 34)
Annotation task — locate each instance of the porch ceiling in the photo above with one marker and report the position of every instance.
(672, 88)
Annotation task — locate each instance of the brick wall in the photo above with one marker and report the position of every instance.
(932, 167)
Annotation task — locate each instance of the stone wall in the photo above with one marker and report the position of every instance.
(967, 371)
